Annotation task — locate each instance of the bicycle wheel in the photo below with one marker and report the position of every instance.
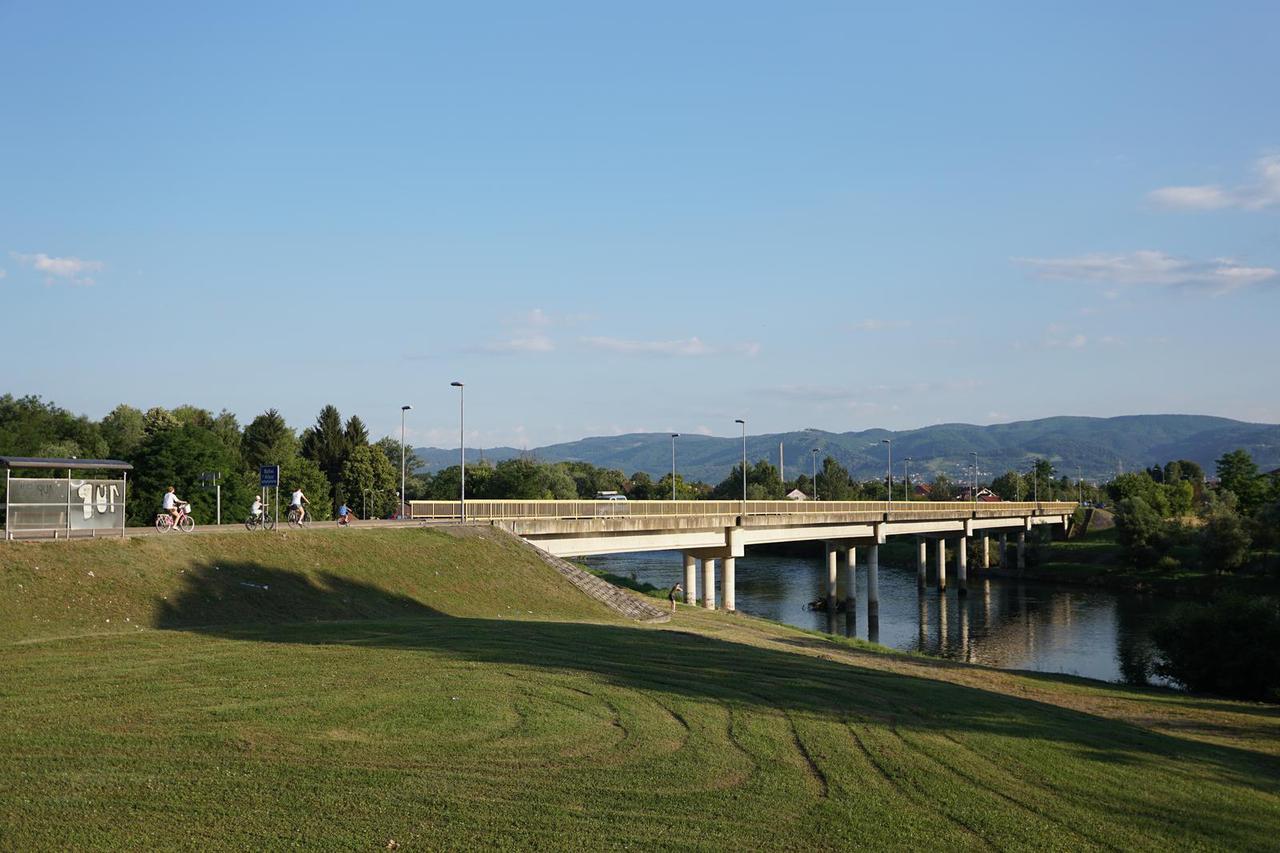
(294, 518)
(268, 523)
(162, 523)
(250, 523)
(186, 524)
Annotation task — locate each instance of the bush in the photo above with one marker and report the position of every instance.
(1140, 531)
(1225, 647)
(1224, 542)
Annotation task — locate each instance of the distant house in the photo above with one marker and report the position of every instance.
(985, 496)
(923, 490)
(797, 495)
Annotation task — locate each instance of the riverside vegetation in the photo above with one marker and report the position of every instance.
(447, 689)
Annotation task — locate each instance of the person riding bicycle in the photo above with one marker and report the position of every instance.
(299, 504)
(255, 511)
(172, 505)
(345, 515)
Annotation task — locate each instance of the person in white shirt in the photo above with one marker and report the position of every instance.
(256, 509)
(171, 503)
(299, 503)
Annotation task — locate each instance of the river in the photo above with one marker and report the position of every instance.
(1002, 622)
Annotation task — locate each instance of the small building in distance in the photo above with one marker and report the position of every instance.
(985, 495)
(797, 495)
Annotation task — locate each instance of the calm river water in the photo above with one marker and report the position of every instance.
(1002, 622)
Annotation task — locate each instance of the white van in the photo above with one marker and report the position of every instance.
(610, 496)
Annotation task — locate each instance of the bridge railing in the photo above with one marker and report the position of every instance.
(497, 510)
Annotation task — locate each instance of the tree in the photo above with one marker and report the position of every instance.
(941, 489)
(177, 457)
(326, 444)
(763, 483)
(367, 471)
(1226, 647)
(1009, 486)
(123, 431)
(268, 441)
(30, 427)
(1238, 474)
(639, 487)
(414, 483)
(355, 432)
(1140, 531)
(158, 419)
(833, 482)
(1224, 542)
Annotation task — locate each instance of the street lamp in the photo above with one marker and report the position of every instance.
(743, 421)
(462, 449)
(889, 442)
(975, 475)
(674, 436)
(403, 409)
(906, 480)
(1079, 484)
(815, 473)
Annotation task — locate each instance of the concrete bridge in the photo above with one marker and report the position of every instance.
(710, 531)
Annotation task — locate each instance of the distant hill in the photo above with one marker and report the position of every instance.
(1098, 446)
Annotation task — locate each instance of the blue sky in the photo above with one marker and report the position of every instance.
(662, 216)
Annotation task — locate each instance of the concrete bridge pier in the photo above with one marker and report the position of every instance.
(709, 583)
(941, 545)
(1022, 550)
(1004, 550)
(727, 582)
(922, 561)
(962, 566)
(984, 552)
(873, 587)
(851, 581)
(832, 556)
(690, 578)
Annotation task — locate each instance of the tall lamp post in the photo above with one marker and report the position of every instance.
(975, 475)
(743, 421)
(906, 480)
(1080, 484)
(889, 442)
(403, 409)
(674, 436)
(815, 473)
(462, 449)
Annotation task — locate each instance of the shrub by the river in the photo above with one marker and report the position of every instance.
(1225, 647)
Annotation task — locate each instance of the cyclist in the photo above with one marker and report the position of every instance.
(172, 505)
(345, 515)
(299, 504)
(255, 511)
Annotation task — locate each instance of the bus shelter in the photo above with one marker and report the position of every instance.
(88, 501)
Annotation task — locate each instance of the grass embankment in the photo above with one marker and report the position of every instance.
(492, 705)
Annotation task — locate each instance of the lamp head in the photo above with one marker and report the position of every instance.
(456, 384)
(405, 408)
(739, 421)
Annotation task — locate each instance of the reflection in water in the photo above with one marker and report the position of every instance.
(1002, 622)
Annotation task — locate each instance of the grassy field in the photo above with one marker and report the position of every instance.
(341, 689)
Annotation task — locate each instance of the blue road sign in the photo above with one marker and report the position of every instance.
(269, 475)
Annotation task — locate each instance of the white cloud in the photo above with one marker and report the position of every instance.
(69, 269)
(689, 347)
(522, 343)
(1263, 191)
(1146, 267)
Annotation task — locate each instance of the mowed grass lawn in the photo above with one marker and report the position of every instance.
(340, 689)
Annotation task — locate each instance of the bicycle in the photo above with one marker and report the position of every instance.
(299, 519)
(262, 521)
(183, 522)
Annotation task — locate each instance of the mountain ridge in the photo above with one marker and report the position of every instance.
(1095, 447)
